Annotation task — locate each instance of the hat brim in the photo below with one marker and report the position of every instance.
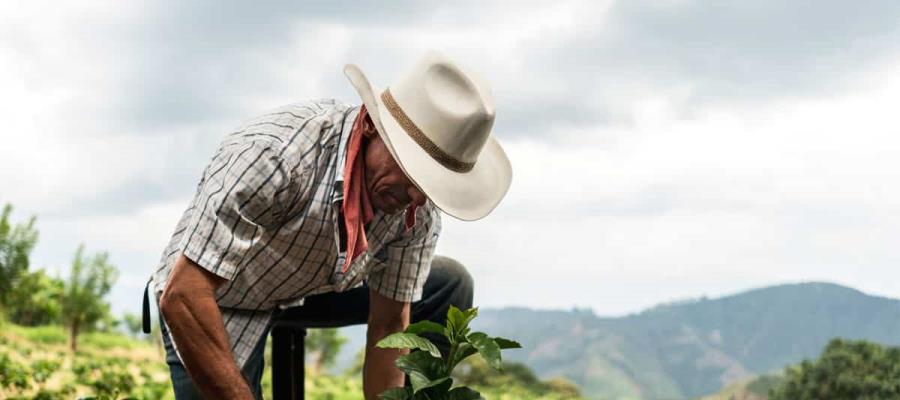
(468, 195)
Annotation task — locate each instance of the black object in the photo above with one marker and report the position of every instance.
(288, 352)
(146, 310)
(289, 332)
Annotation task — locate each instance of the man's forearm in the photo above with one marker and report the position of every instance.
(379, 371)
(196, 327)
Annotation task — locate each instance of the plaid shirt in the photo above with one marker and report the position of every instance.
(264, 217)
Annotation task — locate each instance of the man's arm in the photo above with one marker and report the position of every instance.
(195, 325)
(386, 316)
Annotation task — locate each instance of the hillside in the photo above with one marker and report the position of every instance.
(692, 348)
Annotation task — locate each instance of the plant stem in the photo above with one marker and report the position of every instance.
(453, 349)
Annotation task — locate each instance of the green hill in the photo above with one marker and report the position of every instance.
(693, 348)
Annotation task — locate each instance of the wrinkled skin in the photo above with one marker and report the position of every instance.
(390, 190)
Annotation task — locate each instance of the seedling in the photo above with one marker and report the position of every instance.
(429, 371)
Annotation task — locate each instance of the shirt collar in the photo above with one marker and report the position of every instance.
(338, 186)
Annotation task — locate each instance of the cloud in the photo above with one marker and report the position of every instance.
(670, 208)
(661, 149)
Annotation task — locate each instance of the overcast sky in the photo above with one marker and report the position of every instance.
(661, 150)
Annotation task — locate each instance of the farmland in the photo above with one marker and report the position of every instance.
(37, 363)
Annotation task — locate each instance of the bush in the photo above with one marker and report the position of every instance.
(845, 370)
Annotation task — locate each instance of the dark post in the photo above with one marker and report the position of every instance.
(287, 362)
(298, 355)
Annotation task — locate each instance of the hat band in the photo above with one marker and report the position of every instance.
(423, 141)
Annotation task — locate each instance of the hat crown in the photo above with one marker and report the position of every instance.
(452, 106)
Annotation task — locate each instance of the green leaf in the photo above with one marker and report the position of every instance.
(507, 344)
(402, 340)
(458, 320)
(463, 351)
(487, 347)
(425, 326)
(400, 393)
(424, 370)
(463, 393)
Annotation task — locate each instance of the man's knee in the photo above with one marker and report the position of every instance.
(453, 273)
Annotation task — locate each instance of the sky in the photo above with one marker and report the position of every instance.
(661, 150)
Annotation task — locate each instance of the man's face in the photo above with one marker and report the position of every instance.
(390, 190)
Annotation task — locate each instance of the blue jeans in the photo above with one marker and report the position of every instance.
(448, 284)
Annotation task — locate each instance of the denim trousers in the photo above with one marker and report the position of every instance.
(448, 283)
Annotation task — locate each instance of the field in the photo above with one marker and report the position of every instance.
(37, 363)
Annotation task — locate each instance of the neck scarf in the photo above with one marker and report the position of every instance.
(357, 208)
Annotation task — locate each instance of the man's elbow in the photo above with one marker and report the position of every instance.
(379, 328)
(169, 302)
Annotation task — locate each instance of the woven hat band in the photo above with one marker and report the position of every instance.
(423, 141)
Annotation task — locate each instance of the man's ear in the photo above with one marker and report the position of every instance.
(368, 128)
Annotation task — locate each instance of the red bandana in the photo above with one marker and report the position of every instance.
(357, 208)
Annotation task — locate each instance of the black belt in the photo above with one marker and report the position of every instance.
(146, 312)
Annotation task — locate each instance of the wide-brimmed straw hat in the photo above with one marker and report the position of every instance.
(436, 121)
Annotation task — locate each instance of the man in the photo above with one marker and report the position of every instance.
(335, 208)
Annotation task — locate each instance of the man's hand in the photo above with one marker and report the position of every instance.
(195, 325)
(386, 316)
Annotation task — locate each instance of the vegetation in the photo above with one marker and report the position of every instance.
(16, 243)
(689, 349)
(512, 381)
(753, 389)
(36, 299)
(428, 370)
(36, 363)
(845, 370)
(82, 301)
(322, 347)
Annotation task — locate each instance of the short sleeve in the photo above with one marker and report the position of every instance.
(408, 260)
(241, 193)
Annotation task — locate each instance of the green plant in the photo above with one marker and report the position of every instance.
(846, 369)
(16, 243)
(83, 306)
(428, 370)
(12, 374)
(108, 377)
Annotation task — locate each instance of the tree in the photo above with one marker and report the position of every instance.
(133, 323)
(82, 303)
(16, 243)
(35, 299)
(323, 346)
(845, 370)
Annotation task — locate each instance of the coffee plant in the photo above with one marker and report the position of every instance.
(428, 370)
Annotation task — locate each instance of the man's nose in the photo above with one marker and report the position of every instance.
(415, 195)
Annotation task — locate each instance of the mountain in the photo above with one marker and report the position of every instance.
(691, 348)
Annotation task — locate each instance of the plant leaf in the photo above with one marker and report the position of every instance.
(425, 326)
(424, 370)
(487, 347)
(463, 393)
(463, 351)
(458, 320)
(400, 393)
(507, 344)
(402, 340)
